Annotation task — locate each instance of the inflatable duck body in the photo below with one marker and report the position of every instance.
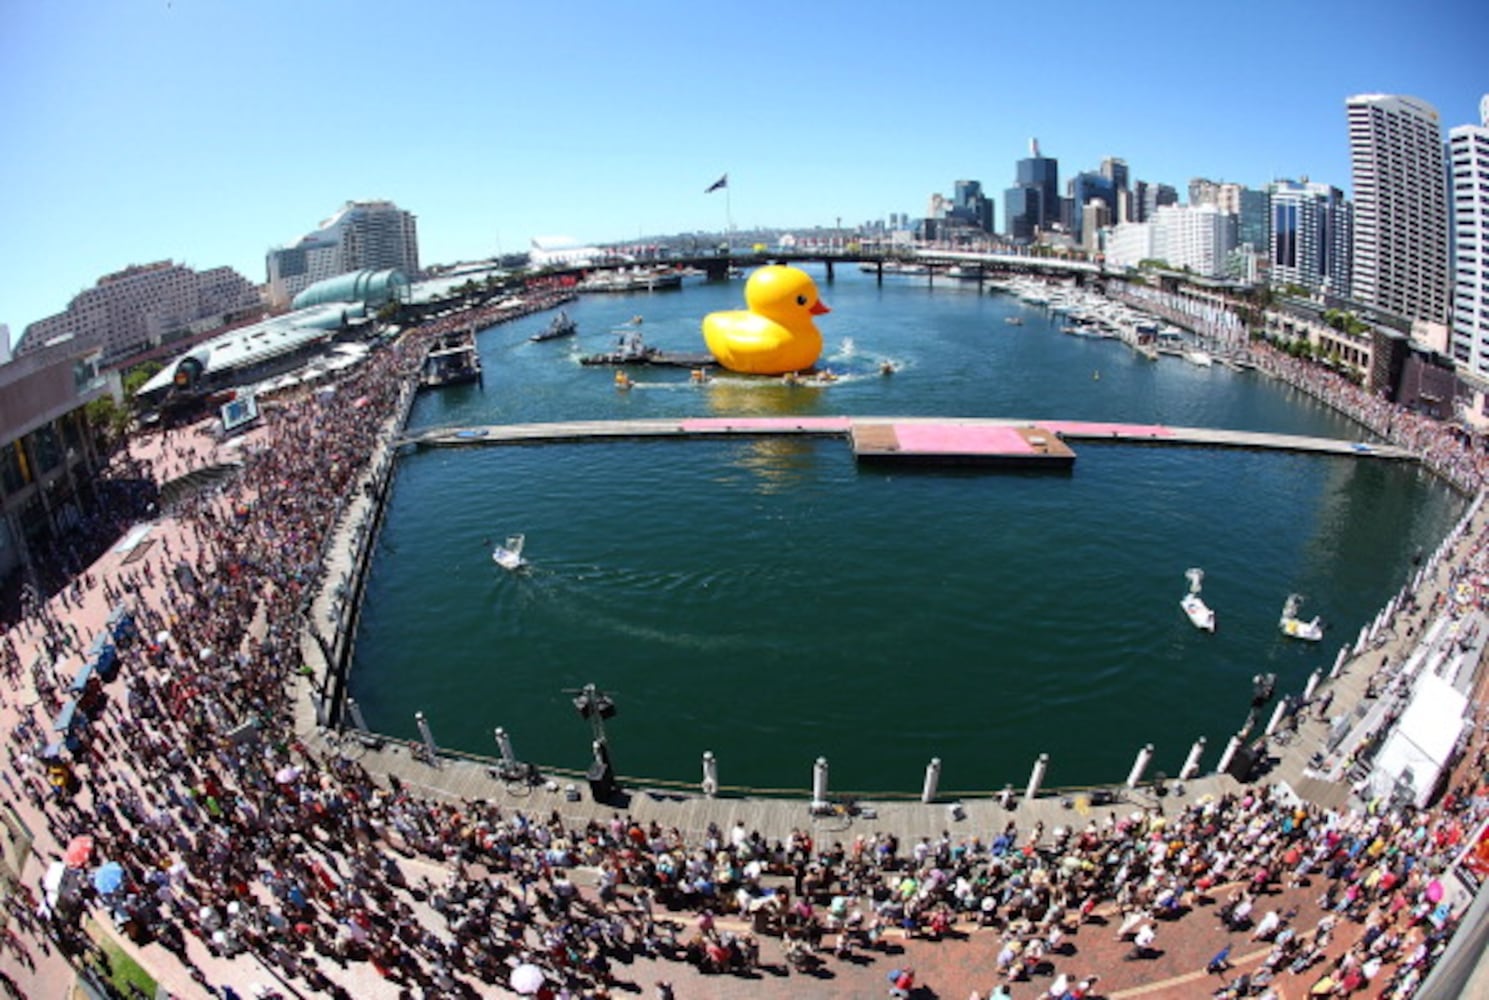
(775, 333)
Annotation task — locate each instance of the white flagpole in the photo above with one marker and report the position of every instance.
(728, 217)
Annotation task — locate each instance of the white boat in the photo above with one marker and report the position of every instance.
(509, 556)
(1294, 627)
(1200, 613)
(1196, 356)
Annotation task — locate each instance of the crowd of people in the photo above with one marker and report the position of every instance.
(235, 839)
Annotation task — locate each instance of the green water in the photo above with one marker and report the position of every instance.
(771, 602)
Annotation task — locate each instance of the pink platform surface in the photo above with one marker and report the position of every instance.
(960, 439)
(768, 424)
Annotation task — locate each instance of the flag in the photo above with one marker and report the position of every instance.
(721, 182)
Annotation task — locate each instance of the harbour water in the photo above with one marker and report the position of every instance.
(772, 602)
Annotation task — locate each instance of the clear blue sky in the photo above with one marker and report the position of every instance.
(208, 132)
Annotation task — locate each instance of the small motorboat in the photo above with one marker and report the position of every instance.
(1014, 320)
(1200, 614)
(509, 556)
(1294, 627)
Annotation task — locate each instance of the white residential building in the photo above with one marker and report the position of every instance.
(145, 306)
(362, 235)
(1400, 198)
(1129, 244)
(1200, 238)
(1468, 156)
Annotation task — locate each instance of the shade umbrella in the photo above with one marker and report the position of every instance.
(527, 979)
(79, 850)
(287, 774)
(109, 877)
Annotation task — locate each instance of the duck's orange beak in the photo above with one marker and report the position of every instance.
(818, 308)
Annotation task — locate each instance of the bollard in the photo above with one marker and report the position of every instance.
(1230, 751)
(1036, 776)
(429, 748)
(1191, 763)
(710, 774)
(504, 744)
(1139, 766)
(819, 784)
(1312, 685)
(1277, 714)
(355, 711)
(932, 779)
(1339, 662)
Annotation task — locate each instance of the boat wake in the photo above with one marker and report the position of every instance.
(616, 600)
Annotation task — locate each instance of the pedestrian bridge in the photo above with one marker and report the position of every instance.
(949, 439)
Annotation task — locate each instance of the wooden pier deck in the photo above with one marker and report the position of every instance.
(962, 438)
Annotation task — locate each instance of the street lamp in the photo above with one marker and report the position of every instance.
(595, 705)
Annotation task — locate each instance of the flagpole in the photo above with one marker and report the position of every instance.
(728, 221)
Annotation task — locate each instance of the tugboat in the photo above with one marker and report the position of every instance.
(561, 326)
(631, 349)
(1200, 614)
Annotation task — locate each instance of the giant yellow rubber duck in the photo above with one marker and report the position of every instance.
(775, 333)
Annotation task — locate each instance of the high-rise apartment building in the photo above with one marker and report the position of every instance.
(1401, 214)
(144, 306)
(1468, 158)
(1311, 238)
(362, 235)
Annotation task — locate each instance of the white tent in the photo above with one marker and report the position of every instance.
(1416, 752)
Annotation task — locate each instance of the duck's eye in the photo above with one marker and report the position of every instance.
(801, 300)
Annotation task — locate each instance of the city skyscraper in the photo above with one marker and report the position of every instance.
(1254, 228)
(970, 206)
(1401, 214)
(1114, 169)
(1155, 196)
(1311, 237)
(1034, 200)
(1468, 156)
(1084, 187)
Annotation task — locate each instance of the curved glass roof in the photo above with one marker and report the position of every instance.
(371, 288)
